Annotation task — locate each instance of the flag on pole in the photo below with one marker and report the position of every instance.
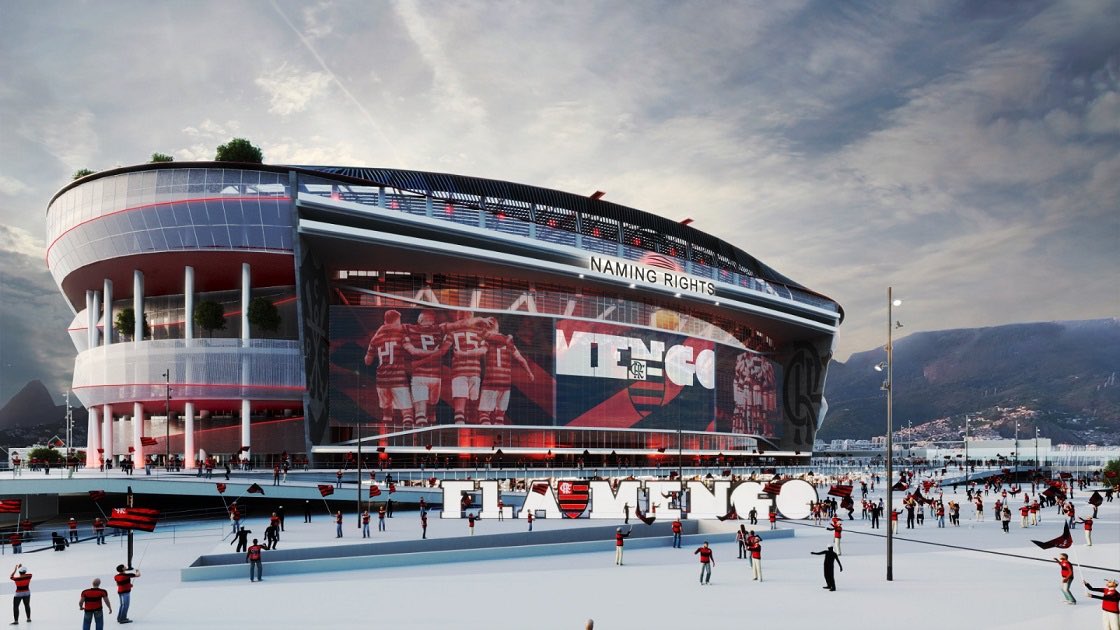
(96, 495)
(255, 489)
(221, 487)
(900, 486)
(840, 491)
(148, 441)
(374, 491)
(392, 487)
(540, 488)
(11, 506)
(772, 487)
(732, 516)
(1096, 499)
(1065, 541)
(326, 489)
(143, 519)
(648, 520)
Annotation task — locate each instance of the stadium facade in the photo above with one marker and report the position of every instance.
(432, 318)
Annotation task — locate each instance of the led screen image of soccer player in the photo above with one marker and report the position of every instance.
(755, 395)
(426, 344)
(498, 376)
(387, 345)
(467, 334)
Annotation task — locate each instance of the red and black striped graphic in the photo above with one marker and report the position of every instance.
(840, 491)
(148, 441)
(647, 385)
(255, 489)
(11, 506)
(772, 487)
(221, 487)
(143, 519)
(573, 497)
(96, 495)
(374, 491)
(326, 489)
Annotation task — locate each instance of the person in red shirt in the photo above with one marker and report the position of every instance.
(677, 533)
(619, 537)
(16, 541)
(529, 518)
(99, 530)
(338, 524)
(754, 546)
(253, 557)
(90, 603)
(23, 592)
(707, 560)
(124, 578)
(1110, 604)
(894, 520)
(467, 334)
(1088, 531)
(73, 525)
(426, 345)
(470, 522)
(837, 530)
(393, 392)
(381, 517)
(365, 524)
(773, 519)
(1066, 570)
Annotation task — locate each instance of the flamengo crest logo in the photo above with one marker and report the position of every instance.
(607, 500)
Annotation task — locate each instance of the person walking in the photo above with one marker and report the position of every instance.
(837, 529)
(1088, 524)
(677, 533)
(619, 537)
(90, 603)
(1005, 518)
(707, 561)
(741, 541)
(1066, 572)
(124, 578)
(830, 558)
(23, 593)
(1110, 603)
(754, 546)
(242, 540)
(365, 523)
(271, 537)
(99, 530)
(253, 557)
(338, 524)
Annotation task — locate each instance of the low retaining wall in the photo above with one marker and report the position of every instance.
(460, 549)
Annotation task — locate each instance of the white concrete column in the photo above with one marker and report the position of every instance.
(188, 434)
(245, 426)
(245, 286)
(188, 303)
(107, 432)
(108, 291)
(90, 322)
(95, 312)
(93, 439)
(137, 432)
(138, 304)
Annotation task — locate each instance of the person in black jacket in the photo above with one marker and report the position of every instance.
(242, 539)
(830, 558)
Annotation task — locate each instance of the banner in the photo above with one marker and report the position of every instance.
(326, 489)
(11, 506)
(143, 519)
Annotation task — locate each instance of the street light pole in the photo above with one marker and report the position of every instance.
(167, 417)
(1016, 459)
(891, 303)
(358, 424)
(966, 450)
(1037, 464)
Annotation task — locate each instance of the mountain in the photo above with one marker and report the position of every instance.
(31, 416)
(1063, 376)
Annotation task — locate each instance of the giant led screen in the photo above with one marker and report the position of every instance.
(416, 367)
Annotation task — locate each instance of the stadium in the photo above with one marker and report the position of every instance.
(252, 311)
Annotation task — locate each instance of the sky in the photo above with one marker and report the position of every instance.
(967, 154)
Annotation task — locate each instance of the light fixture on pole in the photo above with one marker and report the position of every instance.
(888, 386)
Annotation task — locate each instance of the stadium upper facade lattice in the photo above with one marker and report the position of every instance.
(424, 316)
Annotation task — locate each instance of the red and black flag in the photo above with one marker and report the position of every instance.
(772, 487)
(900, 486)
(221, 487)
(540, 488)
(1065, 541)
(96, 495)
(148, 441)
(374, 491)
(255, 489)
(840, 491)
(143, 519)
(730, 516)
(1096, 499)
(1111, 474)
(392, 487)
(917, 496)
(648, 520)
(11, 506)
(573, 497)
(1053, 493)
(326, 489)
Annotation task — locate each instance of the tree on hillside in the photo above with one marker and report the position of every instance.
(209, 316)
(1112, 473)
(82, 172)
(264, 315)
(161, 157)
(125, 324)
(239, 150)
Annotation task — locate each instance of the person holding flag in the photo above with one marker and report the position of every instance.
(365, 523)
(124, 578)
(1066, 572)
(1110, 603)
(754, 546)
(381, 517)
(338, 524)
(837, 529)
(99, 530)
(1088, 524)
(23, 592)
(619, 539)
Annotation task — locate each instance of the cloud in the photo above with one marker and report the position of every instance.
(67, 133)
(291, 91)
(12, 186)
